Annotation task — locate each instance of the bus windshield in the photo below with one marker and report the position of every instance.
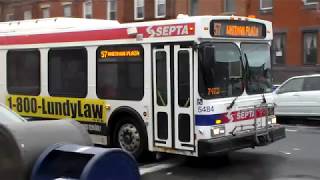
(220, 70)
(258, 68)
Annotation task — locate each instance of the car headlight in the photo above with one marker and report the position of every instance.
(272, 120)
(217, 131)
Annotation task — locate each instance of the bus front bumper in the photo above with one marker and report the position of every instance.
(245, 140)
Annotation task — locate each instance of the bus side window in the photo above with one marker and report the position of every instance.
(68, 72)
(23, 72)
(120, 72)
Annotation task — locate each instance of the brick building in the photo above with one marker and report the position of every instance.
(296, 22)
(296, 25)
(121, 10)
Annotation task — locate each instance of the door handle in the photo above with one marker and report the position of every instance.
(296, 95)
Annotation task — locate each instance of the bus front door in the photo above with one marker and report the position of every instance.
(173, 97)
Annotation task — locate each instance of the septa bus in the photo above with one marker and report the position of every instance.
(194, 86)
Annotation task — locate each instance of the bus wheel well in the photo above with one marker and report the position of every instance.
(122, 113)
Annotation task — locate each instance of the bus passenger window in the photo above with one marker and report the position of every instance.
(68, 72)
(120, 72)
(23, 72)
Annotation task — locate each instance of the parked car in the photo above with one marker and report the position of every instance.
(8, 116)
(298, 96)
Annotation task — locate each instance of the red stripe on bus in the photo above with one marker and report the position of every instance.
(65, 37)
(96, 35)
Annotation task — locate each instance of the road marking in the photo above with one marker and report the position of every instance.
(169, 173)
(150, 168)
(291, 130)
(284, 152)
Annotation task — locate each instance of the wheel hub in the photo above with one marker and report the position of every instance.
(129, 138)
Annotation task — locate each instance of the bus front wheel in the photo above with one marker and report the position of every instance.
(130, 137)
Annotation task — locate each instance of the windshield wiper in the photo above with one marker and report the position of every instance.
(232, 103)
(264, 100)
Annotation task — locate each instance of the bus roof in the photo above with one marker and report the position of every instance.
(56, 30)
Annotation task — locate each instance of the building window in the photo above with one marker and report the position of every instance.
(265, 4)
(23, 72)
(27, 14)
(10, 17)
(310, 47)
(311, 4)
(308, 2)
(87, 9)
(279, 48)
(120, 72)
(45, 12)
(67, 10)
(138, 9)
(229, 5)
(160, 8)
(112, 9)
(67, 76)
(193, 8)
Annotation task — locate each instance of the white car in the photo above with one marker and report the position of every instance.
(298, 96)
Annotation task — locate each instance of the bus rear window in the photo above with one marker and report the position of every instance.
(120, 72)
(23, 72)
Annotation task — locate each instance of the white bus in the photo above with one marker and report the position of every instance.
(193, 85)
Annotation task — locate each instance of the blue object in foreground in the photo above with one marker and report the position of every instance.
(69, 161)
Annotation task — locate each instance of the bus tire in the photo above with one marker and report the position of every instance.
(131, 137)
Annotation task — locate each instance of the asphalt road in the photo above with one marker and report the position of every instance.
(295, 157)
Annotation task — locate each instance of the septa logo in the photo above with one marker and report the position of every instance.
(246, 115)
(170, 30)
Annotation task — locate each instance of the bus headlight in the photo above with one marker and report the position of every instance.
(217, 131)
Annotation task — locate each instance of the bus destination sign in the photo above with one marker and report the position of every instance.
(119, 53)
(237, 29)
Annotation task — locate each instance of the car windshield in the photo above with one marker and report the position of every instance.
(220, 71)
(258, 68)
(7, 116)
